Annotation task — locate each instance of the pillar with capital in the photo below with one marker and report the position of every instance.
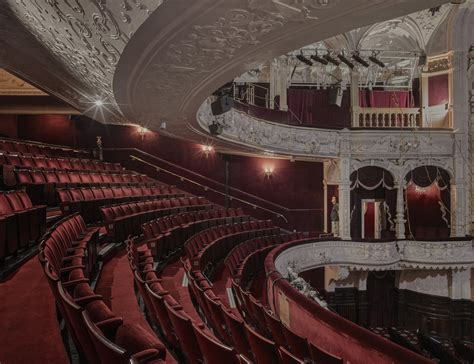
(400, 211)
(345, 200)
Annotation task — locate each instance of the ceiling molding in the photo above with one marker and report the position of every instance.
(11, 85)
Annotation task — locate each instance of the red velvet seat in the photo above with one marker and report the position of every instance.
(119, 343)
(212, 350)
(183, 328)
(236, 329)
(264, 351)
(297, 344)
(288, 358)
(321, 356)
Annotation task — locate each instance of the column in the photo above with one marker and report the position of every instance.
(400, 212)
(273, 82)
(355, 108)
(345, 200)
(325, 187)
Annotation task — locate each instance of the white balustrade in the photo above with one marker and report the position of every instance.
(375, 117)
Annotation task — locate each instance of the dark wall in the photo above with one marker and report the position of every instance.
(8, 126)
(292, 186)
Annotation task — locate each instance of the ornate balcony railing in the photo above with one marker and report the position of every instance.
(375, 117)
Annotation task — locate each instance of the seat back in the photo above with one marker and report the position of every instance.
(212, 350)
(264, 351)
(321, 356)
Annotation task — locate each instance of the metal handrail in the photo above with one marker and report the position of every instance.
(286, 209)
(206, 188)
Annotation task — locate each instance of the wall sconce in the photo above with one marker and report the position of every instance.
(207, 150)
(268, 171)
(142, 131)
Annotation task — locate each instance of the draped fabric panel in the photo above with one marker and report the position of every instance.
(372, 183)
(395, 99)
(311, 107)
(428, 202)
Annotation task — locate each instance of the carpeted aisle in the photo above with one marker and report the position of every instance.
(117, 288)
(29, 330)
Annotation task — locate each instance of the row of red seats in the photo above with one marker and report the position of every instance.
(88, 201)
(235, 334)
(68, 164)
(166, 235)
(192, 338)
(237, 255)
(197, 243)
(21, 223)
(41, 185)
(126, 219)
(273, 333)
(15, 146)
(99, 335)
(66, 178)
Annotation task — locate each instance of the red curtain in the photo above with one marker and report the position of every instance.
(378, 98)
(311, 107)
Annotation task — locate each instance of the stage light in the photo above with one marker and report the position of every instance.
(99, 103)
(373, 58)
(345, 60)
(317, 58)
(332, 60)
(304, 60)
(360, 60)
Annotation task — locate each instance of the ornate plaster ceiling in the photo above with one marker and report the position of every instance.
(157, 61)
(88, 37)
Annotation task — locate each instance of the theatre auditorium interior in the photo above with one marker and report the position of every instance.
(236, 181)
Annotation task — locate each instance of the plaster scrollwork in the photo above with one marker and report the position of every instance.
(92, 37)
(402, 254)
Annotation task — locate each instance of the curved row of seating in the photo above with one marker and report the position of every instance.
(21, 223)
(66, 253)
(165, 236)
(41, 185)
(28, 161)
(227, 236)
(273, 333)
(88, 200)
(35, 148)
(125, 219)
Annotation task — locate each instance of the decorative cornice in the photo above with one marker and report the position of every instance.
(11, 85)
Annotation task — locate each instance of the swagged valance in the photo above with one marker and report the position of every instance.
(370, 178)
(427, 175)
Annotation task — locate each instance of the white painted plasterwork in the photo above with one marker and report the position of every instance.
(88, 36)
(403, 254)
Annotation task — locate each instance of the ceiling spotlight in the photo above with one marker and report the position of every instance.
(360, 60)
(373, 58)
(332, 60)
(345, 60)
(317, 58)
(98, 103)
(304, 60)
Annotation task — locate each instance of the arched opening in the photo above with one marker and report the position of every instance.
(373, 203)
(427, 203)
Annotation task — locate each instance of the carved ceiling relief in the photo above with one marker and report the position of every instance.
(87, 36)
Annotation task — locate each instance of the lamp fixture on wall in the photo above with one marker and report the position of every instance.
(268, 171)
(142, 131)
(207, 149)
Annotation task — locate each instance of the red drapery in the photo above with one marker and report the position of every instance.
(311, 107)
(438, 90)
(378, 98)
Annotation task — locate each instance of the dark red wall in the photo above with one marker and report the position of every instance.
(293, 186)
(438, 90)
(9, 126)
